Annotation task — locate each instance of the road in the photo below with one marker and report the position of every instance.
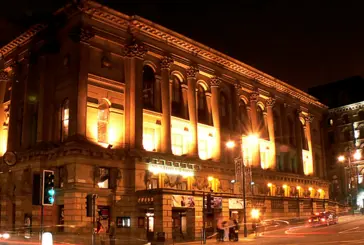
(350, 230)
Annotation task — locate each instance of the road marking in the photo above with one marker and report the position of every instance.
(347, 231)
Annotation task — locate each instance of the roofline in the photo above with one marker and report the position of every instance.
(174, 39)
(349, 107)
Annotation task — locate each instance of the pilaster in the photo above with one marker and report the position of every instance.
(163, 215)
(299, 141)
(215, 98)
(308, 121)
(192, 110)
(270, 120)
(255, 128)
(166, 63)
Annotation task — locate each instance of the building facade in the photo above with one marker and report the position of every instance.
(126, 109)
(344, 137)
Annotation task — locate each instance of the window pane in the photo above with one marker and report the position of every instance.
(149, 139)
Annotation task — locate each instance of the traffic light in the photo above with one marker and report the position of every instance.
(89, 204)
(209, 202)
(48, 188)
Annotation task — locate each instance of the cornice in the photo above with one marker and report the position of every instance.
(350, 107)
(139, 26)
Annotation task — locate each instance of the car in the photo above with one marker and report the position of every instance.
(323, 218)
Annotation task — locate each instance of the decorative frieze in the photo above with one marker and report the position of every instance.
(215, 81)
(271, 102)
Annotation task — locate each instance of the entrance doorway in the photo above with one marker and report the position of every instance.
(179, 220)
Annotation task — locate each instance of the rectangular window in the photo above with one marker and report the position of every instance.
(153, 184)
(65, 123)
(61, 177)
(123, 222)
(104, 179)
(149, 139)
(203, 149)
(177, 144)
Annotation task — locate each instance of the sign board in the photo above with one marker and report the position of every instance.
(217, 203)
(179, 201)
(236, 203)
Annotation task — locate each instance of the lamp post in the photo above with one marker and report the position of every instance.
(357, 157)
(240, 165)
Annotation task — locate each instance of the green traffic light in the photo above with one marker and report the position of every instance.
(51, 192)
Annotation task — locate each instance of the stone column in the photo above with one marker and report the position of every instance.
(157, 93)
(20, 72)
(194, 218)
(298, 123)
(134, 53)
(237, 123)
(185, 100)
(163, 215)
(215, 92)
(192, 109)
(308, 120)
(166, 63)
(270, 118)
(255, 129)
(4, 79)
(209, 107)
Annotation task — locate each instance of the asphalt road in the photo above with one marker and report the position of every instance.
(349, 230)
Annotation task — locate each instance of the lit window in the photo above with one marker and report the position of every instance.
(331, 122)
(124, 222)
(177, 144)
(203, 149)
(264, 157)
(65, 120)
(153, 184)
(103, 181)
(148, 88)
(103, 121)
(149, 139)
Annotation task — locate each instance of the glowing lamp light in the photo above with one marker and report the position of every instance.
(210, 178)
(269, 185)
(319, 190)
(284, 186)
(341, 158)
(233, 181)
(357, 155)
(255, 213)
(230, 144)
(252, 139)
(310, 189)
(298, 187)
(47, 238)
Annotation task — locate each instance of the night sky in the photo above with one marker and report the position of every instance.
(303, 44)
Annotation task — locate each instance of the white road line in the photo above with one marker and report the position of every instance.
(345, 231)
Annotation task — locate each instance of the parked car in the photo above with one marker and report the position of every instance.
(323, 218)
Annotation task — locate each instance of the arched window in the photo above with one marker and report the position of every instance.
(291, 135)
(103, 121)
(65, 119)
(346, 134)
(361, 115)
(202, 105)
(224, 111)
(261, 123)
(176, 97)
(244, 118)
(148, 88)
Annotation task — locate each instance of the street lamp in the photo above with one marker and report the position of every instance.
(251, 139)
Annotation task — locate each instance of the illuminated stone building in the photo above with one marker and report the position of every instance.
(140, 115)
(344, 130)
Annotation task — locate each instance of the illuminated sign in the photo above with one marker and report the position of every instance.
(156, 169)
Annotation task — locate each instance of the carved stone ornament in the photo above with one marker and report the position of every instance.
(309, 118)
(238, 86)
(4, 76)
(271, 101)
(106, 62)
(166, 62)
(7, 117)
(81, 34)
(254, 96)
(215, 81)
(191, 72)
(135, 49)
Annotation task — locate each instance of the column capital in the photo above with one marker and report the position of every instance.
(271, 102)
(309, 118)
(192, 71)
(135, 49)
(237, 86)
(298, 113)
(215, 81)
(166, 62)
(4, 76)
(254, 96)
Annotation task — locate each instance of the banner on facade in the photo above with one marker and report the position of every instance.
(236, 203)
(179, 201)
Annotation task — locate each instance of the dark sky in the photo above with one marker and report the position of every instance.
(304, 43)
